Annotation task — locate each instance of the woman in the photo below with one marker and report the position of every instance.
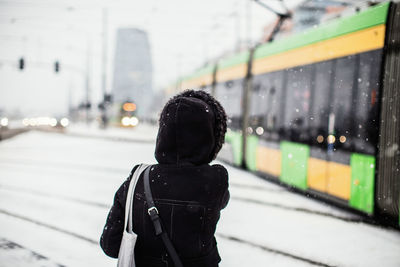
(189, 193)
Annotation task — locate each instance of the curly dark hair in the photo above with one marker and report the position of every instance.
(220, 115)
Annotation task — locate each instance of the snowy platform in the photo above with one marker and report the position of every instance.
(145, 133)
(55, 192)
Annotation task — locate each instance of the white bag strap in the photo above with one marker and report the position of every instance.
(130, 197)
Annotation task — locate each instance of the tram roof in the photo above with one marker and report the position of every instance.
(371, 17)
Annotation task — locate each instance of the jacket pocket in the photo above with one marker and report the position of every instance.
(184, 223)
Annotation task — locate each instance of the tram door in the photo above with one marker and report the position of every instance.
(317, 170)
(338, 164)
(329, 162)
(340, 127)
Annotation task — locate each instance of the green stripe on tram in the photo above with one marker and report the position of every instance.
(209, 69)
(362, 182)
(366, 19)
(251, 152)
(294, 164)
(235, 140)
(234, 60)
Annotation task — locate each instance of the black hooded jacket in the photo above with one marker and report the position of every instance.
(188, 192)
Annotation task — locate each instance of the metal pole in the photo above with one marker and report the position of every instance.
(236, 26)
(104, 69)
(285, 15)
(248, 23)
(88, 70)
(245, 108)
(70, 95)
(104, 55)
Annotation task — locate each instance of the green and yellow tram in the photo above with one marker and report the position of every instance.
(320, 110)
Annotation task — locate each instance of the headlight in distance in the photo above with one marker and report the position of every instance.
(64, 122)
(32, 122)
(4, 122)
(25, 122)
(134, 121)
(126, 121)
(53, 122)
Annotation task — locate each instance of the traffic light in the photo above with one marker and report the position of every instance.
(128, 106)
(56, 66)
(21, 63)
(107, 98)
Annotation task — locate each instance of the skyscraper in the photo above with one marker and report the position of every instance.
(133, 69)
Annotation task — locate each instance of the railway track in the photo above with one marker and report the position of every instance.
(9, 133)
(220, 235)
(27, 257)
(234, 198)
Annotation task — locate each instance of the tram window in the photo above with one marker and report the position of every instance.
(265, 103)
(366, 113)
(342, 96)
(230, 95)
(298, 92)
(229, 84)
(256, 105)
(319, 114)
(258, 97)
(274, 118)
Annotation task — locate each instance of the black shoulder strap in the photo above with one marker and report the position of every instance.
(153, 213)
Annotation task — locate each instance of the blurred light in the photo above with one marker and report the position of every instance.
(25, 122)
(129, 106)
(249, 130)
(126, 121)
(260, 130)
(32, 122)
(64, 122)
(331, 139)
(134, 121)
(43, 121)
(342, 139)
(53, 122)
(4, 122)
(320, 139)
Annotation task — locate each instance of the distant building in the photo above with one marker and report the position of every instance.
(133, 69)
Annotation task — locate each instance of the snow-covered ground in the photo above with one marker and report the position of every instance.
(55, 192)
(143, 132)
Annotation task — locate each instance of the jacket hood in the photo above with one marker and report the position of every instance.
(189, 131)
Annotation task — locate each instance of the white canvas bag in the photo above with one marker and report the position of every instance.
(126, 255)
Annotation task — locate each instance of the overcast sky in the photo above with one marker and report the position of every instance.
(183, 35)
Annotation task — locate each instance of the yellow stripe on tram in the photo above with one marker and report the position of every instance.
(339, 180)
(198, 82)
(349, 44)
(232, 73)
(268, 161)
(317, 174)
